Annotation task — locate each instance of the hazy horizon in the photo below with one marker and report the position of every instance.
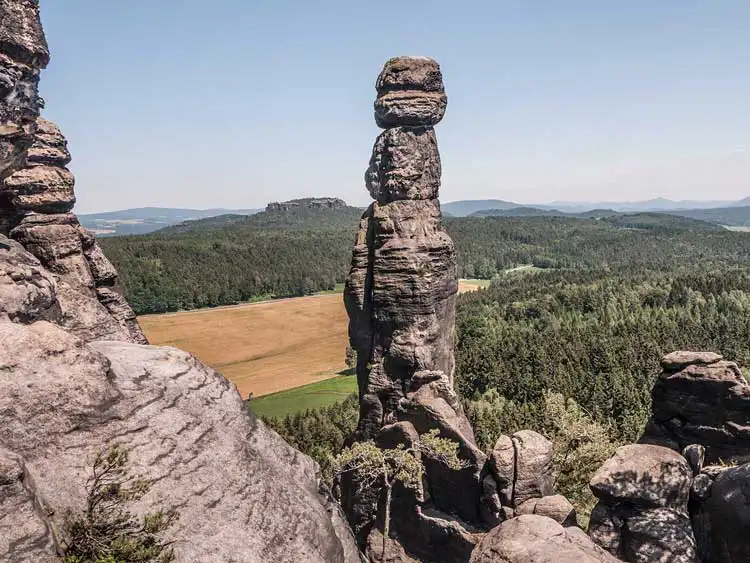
(174, 104)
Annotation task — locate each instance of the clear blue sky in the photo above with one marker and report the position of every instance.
(232, 103)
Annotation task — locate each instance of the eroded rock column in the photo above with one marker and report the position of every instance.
(400, 296)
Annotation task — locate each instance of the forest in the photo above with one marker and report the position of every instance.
(572, 354)
(235, 258)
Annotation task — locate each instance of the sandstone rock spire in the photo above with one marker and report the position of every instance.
(400, 296)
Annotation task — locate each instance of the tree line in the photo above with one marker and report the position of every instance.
(223, 261)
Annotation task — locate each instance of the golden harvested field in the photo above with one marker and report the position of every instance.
(261, 347)
(264, 347)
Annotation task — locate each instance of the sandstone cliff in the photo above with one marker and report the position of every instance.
(74, 378)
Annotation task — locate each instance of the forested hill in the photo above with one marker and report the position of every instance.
(231, 259)
(301, 218)
(738, 216)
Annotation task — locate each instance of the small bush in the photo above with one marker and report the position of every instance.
(107, 532)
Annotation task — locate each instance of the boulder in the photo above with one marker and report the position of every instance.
(701, 399)
(642, 513)
(242, 493)
(556, 507)
(533, 478)
(645, 476)
(538, 539)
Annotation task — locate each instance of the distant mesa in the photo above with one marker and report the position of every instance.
(306, 203)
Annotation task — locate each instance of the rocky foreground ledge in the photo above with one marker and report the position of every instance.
(242, 493)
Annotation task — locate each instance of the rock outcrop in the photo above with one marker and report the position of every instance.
(74, 381)
(306, 203)
(242, 493)
(37, 201)
(642, 513)
(700, 398)
(682, 493)
(400, 296)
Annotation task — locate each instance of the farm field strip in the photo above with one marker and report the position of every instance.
(267, 346)
(261, 347)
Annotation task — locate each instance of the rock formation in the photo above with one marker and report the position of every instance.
(681, 494)
(37, 200)
(241, 492)
(73, 380)
(703, 399)
(400, 296)
(306, 203)
(538, 539)
(642, 514)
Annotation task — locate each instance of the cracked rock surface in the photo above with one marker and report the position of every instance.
(242, 493)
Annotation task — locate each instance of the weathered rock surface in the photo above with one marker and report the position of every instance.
(556, 507)
(243, 494)
(642, 514)
(502, 464)
(27, 290)
(410, 92)
(538, 539)
(533, 466)
(720, 513)
(42, 189)
(23, 54)
(405, 164)
(24, 534)
(644, 475)
(92, 302)
(700, 398)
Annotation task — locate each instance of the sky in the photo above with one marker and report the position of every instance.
(235, 103)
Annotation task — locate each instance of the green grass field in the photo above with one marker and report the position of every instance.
(320, 394)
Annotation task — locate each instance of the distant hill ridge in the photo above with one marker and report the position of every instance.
(727, 216)
(149, 219)
(463, 208)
